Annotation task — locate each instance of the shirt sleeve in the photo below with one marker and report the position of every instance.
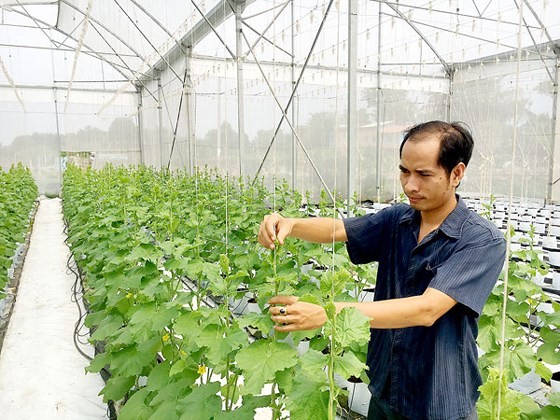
(469, 275)
(365, 235)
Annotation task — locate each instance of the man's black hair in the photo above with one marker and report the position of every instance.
(456, 142)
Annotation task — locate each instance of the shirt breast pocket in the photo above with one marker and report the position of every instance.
(421, 279)
(432, 267)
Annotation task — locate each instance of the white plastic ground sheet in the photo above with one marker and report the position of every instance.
(42, 374)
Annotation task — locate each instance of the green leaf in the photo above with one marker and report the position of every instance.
(125, 337)
(529, 408)
(159, 376)
(314, 363)
(261, 360)
(310, 299)
(117, 387)
(165, 410)
(146, 252)
(487, 405)
(261, 322)
(224, 264)
(550, 412)
(115, 277)
(221, 341)
(307, 400)
(348, 365)
(543, 371)
(519, 311)
(352, 327)
(177, 367)
(518, 360)
(319, 343)
(247, 410)
(187, 323)
(132, 360)
(163, 318)
(552, 319)
(549, 351)
(98, 362)
(330, 310)
(143, 315)
(202, 403)
(174, 390)
(107, 327)
(333, 284)
(487, 332)
(136, 407)
(136, 274)
(554, 399)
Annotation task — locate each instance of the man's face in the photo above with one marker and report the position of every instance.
(426, 184)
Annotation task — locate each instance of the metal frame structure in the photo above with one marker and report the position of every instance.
(182, 50)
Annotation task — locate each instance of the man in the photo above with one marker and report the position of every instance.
(438, 262)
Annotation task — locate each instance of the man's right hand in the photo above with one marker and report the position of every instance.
(274, 228)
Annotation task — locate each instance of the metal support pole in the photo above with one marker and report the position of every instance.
(555, 137)
(351, 119)
(58, 136)
(160, 120)
(378, 112)
(293, 77)
(190, 110)
(240, 90)
(294, 90)
(219, 126)
(140, 124)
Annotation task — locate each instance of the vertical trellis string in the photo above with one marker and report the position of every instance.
(510, 205)
(332, 384)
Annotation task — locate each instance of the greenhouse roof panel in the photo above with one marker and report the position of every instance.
(137, 38)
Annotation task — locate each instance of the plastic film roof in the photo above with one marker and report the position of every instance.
(124, 39)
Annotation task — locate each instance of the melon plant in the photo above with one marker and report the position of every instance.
(169, 259)
(18, 193)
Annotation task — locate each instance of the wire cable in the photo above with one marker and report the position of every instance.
(178, 116)
(510, 206)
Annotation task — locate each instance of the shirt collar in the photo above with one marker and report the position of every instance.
(452, 226)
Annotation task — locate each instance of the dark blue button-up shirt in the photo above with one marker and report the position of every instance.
(429, 372)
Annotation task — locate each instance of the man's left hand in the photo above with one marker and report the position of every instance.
(291, 315)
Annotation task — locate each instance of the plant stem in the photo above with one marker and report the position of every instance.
(332, 385)
(274, 405)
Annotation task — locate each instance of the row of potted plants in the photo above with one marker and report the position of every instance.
(18, 193)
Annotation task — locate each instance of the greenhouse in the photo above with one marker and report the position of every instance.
(273, 209)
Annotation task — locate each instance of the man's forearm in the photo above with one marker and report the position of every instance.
(319, 230)
(413, 311)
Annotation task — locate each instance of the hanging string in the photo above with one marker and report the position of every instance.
(274, 160)
(510, 205)
(336, 131)
(220, 124)
(176, 126)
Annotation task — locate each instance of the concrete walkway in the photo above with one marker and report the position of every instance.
(42, 374)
